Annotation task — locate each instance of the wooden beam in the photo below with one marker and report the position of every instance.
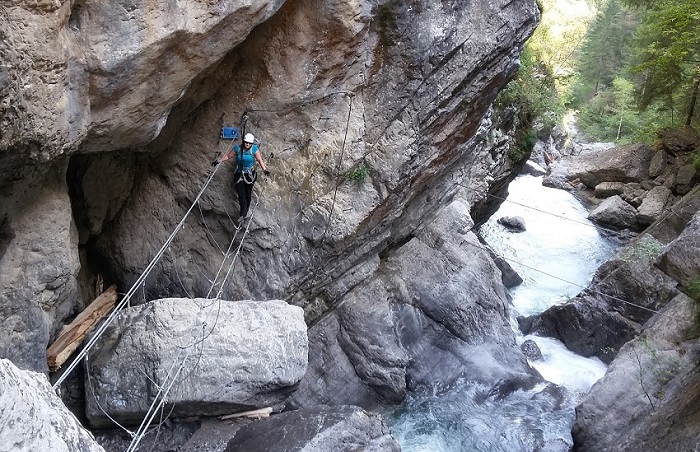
(73, 334)
(255, 414)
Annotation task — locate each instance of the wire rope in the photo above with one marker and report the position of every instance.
(104, 325)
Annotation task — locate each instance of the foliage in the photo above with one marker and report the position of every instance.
(646, 248)
(612, 115)
(694, 289)
(696, 160)
(358, 174)
(668, 57)
(556, 40)
(651, 47)
(525, 140)
(604, 51)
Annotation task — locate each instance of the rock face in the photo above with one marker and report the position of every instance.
(338, 428)
(653, 381)
(681, 258)
(222, 356)
(125, 102)
(435, 311)
(33, 418)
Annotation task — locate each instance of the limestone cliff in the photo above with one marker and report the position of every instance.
(112, 112)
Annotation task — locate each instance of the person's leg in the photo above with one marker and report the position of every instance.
(249, 193)
(243, 196)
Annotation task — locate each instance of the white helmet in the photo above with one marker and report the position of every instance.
(249, 138)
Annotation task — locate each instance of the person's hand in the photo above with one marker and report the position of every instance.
(215, 162)
(266, 173)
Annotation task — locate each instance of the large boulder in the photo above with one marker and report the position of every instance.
(654, 205)
(615, 212)
(218, 356)
(33, 418)
(320, 429)
(620, 164)
(39, 265)
(681, 258)
(648, 399)
(679, 139)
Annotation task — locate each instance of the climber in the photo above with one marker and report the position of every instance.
(246, 154)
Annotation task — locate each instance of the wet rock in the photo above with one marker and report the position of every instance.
(654, 205)
(435, 311)
(615, 212)
(509, 276)
(531, 350)
(33, 418)
(234, 356)
(679, 140)
(515, 224)
(533, 169)
(323, 428)
(624, 294)
(608, 189)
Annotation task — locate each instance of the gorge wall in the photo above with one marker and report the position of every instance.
(111, 115)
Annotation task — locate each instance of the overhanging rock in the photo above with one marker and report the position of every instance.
(223, 357)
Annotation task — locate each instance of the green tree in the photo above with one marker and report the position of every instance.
(605, 49)
(668, 59)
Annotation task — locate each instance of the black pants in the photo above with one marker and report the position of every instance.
(244, 188)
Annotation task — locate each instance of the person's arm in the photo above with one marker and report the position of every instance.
(259, 159)
(228, 156)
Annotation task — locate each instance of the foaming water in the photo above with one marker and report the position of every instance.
(565, 368)
(556, 257)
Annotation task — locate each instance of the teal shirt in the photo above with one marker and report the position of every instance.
(247, 159)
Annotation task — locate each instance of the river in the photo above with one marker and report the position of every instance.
(556, 256)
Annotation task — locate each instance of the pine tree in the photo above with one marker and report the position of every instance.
(668, 58)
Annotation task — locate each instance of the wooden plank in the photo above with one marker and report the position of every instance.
(255, 414)
(73, 334)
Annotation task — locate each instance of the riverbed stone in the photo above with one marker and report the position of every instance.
(654, 205)
(531, 350)
(608, 189)
(624, 294)
(533, 169)
(615, 212)
(339, 428)
(33, 418)
(515, 224)
(620, 164)
(232, 356)
(633, 193)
